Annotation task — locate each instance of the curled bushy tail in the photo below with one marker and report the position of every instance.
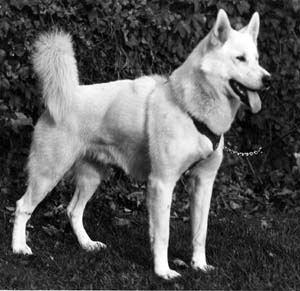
(55, 64)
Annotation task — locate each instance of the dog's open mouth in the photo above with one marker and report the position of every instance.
(247, 96)
(240, 90)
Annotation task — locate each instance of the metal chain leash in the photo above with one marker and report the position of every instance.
(244, 154)
(261, 149)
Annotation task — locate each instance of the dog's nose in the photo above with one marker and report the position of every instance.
(266, 80)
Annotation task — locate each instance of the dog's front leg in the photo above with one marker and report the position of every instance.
(202, 180)
(159, 204)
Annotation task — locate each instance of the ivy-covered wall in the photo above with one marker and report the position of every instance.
(117, 39)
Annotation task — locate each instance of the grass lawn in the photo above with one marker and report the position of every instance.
(250, 251)
(260, 252)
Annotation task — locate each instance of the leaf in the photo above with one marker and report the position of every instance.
(186, 218)
(183, 28)
(92, 16)
(295, 5)
(285, 191)
(49, 213)
(121, 221)
(2, 55)
(50, 229)
(10, 208)
(137, 196)
(19, 50)
(112, 205)
(19, 4)
(265, 224)
(4, 190)
(234, 205)
(297, 157)
(24, 72)
(4, 83)
(180, 263)
(243, 7)
(22, 120)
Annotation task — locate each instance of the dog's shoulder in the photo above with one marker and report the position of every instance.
(145, 85)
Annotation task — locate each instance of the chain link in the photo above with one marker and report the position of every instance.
(260, 150)
(244, 154)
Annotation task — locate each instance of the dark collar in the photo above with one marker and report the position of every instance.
(200, 125)
(203, 129)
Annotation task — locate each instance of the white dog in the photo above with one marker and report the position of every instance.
(153, 127)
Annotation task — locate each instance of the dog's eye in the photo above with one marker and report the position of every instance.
(241, 58)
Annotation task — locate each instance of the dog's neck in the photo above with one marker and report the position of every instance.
(197, 93)
(205, 130)
(200, 125)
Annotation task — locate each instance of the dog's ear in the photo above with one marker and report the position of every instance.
(222, 26)
(253, 26)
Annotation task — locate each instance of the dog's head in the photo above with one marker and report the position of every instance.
(231, 56)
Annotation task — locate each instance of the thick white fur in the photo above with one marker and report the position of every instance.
(143, 126)
(55, 64)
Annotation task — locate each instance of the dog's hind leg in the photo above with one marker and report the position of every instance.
(52, 154)
(37, 189)
(87, 180)
(202, 180)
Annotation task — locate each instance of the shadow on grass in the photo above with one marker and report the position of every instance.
(256, 253)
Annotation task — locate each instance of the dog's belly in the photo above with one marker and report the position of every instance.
(132, 158)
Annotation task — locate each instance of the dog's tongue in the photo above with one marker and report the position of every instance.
(254, 101)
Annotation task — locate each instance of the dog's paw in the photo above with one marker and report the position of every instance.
(202, 267)
(93, 246)
(168, 274)
(22, 249)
